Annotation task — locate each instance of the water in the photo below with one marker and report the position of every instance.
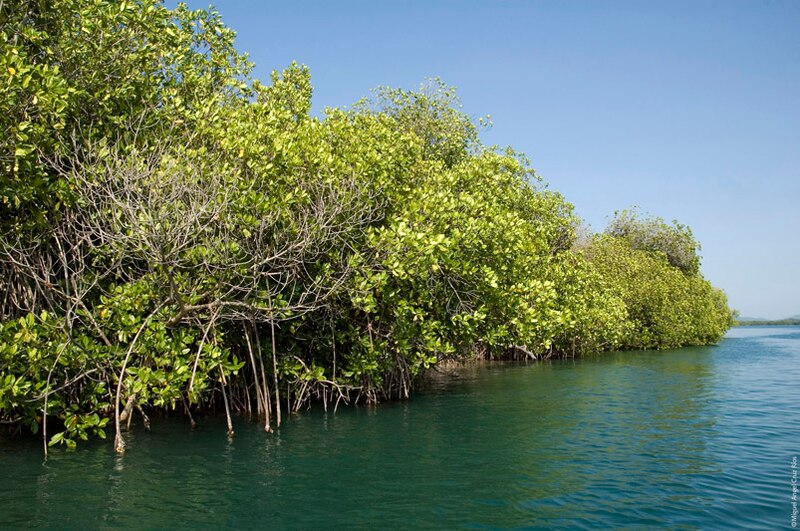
(690, 438)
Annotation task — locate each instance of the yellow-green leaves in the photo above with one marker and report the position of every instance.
(178, 219)
(666, 306)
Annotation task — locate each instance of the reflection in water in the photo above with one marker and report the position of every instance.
(683, 438)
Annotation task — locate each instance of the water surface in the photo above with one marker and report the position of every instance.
(689, 438)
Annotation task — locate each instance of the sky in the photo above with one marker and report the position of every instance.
(688, 110)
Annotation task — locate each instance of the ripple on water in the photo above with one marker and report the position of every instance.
(698, 437)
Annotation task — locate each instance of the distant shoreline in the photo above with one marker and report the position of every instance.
(779, 322)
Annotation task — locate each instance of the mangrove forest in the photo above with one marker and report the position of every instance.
(178, 236)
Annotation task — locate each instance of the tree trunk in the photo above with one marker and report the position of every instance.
(227, 407)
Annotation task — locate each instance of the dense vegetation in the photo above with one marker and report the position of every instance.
(175, 235)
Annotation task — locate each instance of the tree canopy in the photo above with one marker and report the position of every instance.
(674, 241)
(175, 235)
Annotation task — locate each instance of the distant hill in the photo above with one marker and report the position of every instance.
(751, 319)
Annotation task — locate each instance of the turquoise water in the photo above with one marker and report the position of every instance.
(690, 438)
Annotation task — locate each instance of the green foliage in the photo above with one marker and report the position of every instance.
(177, 236)
(433, 114)
(675, 241)
(591, 315)
(91, 69)
(666, 307)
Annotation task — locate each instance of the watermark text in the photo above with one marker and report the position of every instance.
(794, 491)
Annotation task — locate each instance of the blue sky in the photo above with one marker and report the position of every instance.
(690, 110)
